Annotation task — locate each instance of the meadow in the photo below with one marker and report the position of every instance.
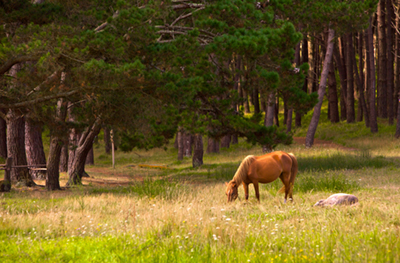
(180, 214)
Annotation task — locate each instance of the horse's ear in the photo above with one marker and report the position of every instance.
(226, 183)
(233, 183)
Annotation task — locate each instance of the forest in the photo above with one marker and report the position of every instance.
(152, 71)
(121, 120)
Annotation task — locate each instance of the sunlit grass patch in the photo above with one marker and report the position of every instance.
(339, 160)
(150, 188)
(307, 183)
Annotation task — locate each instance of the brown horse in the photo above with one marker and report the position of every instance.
(264, 169)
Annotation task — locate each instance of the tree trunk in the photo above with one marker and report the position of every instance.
(57, 142)
(315, 65)
(16, 148)
(304, 57)
(256, 101)
(226, 141)
(289, 121)
(269, 117)
(3, 139)
(276, 112)
(390, 60)
(181, 148)
(246, 101)
(343, 82)
(34, 148)
(72, 139)
(382, 62)
(360, 80)
(289, 115)
(371, 74)
(187, 144)
(397, 59)
(198, 151)
(235, 139)
(350, 80)
(213, 145)
(63, 167)
(321, 91)
(333, 98)
(77, 167)
(107, 140)
(53, 163)
(90, 157)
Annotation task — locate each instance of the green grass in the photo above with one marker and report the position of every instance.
(147, 188)
(181, 215)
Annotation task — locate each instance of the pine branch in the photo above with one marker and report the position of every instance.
(38, 100)
(102, 26)
(15, 60)
(186, 16)
(47, 81)
(186, 6)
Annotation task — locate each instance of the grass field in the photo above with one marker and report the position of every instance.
(180, 214)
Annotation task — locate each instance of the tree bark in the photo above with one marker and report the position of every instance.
(246, 101)
(63, 167)
(16, 148)
(350, 80)
(53, 162)
(390, 60)
(187, 144)
(235, 139)
(371, 74)
(321, 91)
(181, 148)
(343, 82)
(77, 168)
(360, 80)
(90, 157)
(198, 151)
(289, 121)
(226, 141)
(269, 117)
(34, 148)
(213, 145)
(397, 59)
(315, 65)
(3, 138)
(382, 61)
(304, 57)
(57, 142)
(276, 112)
(333, 98)
(107, 140)
(256, 100)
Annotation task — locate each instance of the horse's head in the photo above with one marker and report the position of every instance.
(231, 191)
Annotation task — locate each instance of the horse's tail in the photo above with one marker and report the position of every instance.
(293, 173)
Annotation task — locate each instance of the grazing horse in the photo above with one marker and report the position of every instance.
(264, 169)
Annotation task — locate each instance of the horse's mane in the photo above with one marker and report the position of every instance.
(241, 172)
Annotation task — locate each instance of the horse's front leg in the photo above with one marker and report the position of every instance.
(257, 190)
(246, 190)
